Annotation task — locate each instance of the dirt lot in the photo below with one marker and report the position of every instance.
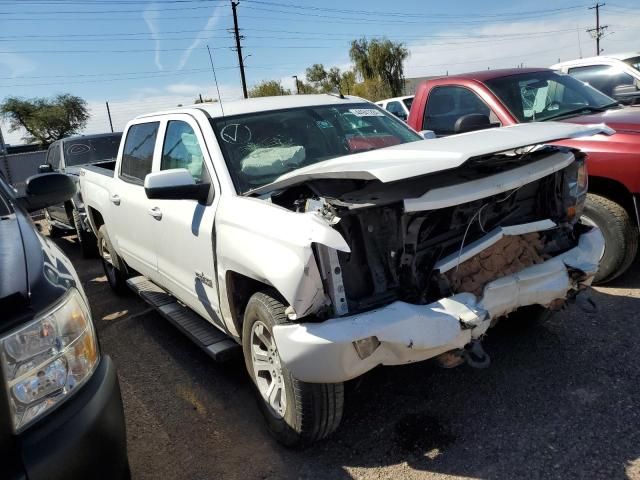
(559, 401)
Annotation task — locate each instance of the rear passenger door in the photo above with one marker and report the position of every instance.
(186, 250)
(135, 232)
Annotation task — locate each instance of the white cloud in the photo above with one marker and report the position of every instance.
(201, 37)
(151, 16)
(184, 89)
(431, 57)
(16, 64)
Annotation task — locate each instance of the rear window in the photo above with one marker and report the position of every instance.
(260, 147)
(137, 156)
(83, 151)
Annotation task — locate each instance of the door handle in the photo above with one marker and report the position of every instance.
(155, 213)
(115, 199)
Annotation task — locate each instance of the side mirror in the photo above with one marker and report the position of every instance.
(175, 184)
(626, 93)
(427, 134)
(45, 168)
(471, 123)
(46, 189)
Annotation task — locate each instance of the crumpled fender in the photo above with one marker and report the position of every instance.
(274, 245)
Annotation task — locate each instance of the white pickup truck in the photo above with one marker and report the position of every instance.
(326, 237)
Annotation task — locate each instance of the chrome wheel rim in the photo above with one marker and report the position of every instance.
(267, 369)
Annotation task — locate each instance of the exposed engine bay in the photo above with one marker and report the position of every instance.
(394, 253)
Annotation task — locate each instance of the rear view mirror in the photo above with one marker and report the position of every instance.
(46, 189)
(471, 123)
(175, 184)
(628, 94)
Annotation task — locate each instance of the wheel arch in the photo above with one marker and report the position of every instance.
(616, 192)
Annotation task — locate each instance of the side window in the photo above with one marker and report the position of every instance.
(137, 155)
(182, 150)
(446, 105)
(602, 77)
(397, 110)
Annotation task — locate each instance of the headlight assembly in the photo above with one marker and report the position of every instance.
(45, 361)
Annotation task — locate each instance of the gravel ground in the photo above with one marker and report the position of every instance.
(559, 401)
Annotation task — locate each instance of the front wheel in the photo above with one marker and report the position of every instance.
(620, 236)
(297, 413)
(112, 265)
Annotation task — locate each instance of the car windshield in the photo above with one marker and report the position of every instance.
(82, 151)
(546, 95)
(634, 62)
(260, 147)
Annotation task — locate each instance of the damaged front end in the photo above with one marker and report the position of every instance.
(434, 261)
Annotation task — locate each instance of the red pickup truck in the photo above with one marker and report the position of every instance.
(494, 98)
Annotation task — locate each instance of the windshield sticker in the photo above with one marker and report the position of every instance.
(78, 149)
(366, 112)
(236, 134)
(323, 124)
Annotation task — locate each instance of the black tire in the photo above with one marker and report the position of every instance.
(620, 236)
(112, 264)
(87, 240)
(312, 410)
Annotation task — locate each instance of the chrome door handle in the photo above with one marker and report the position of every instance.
(155, 213)
(115, 199)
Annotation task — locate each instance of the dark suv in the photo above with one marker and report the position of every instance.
(61, 412)
(68, 156)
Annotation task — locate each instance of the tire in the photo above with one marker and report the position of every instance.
(87, 240)
(620, 236)
(112, 264)
(308, 412)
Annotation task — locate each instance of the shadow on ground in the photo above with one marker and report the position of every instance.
(558, 401)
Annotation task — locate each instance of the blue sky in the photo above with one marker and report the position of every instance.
(143, 55)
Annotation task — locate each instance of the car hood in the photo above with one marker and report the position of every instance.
(425, 157)
(620, 119)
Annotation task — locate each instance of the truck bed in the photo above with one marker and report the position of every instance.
(105, 168)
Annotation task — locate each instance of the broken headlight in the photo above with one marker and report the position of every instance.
(47, 360)
(575, 188)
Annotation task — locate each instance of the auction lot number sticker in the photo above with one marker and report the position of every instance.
(366, 112)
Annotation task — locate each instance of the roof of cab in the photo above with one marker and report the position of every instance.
(261, 104)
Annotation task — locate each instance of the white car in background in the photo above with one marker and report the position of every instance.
(399, 106)
(617, 76)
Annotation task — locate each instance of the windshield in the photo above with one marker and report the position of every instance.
(633, 62)
(260, 147)
(82, 151)
(539, 96)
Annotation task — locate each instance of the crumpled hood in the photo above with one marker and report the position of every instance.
(430, 156)
(621, 119)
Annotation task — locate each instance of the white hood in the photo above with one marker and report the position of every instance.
(429, 156)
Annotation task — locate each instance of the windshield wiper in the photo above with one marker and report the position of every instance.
(589, 108)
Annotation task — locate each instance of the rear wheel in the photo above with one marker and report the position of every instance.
(112, 265)
(620, 236)
(87, 240)
(297, 413)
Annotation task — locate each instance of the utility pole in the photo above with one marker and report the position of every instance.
(109, 114)
(238, 47)
(597, 32)
(297, 84)
(200, 95)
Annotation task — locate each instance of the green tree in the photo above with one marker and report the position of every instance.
(268, 88)
(382, 60)
(45, 119)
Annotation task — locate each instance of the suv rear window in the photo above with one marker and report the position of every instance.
(83, 151)
(137, 155)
